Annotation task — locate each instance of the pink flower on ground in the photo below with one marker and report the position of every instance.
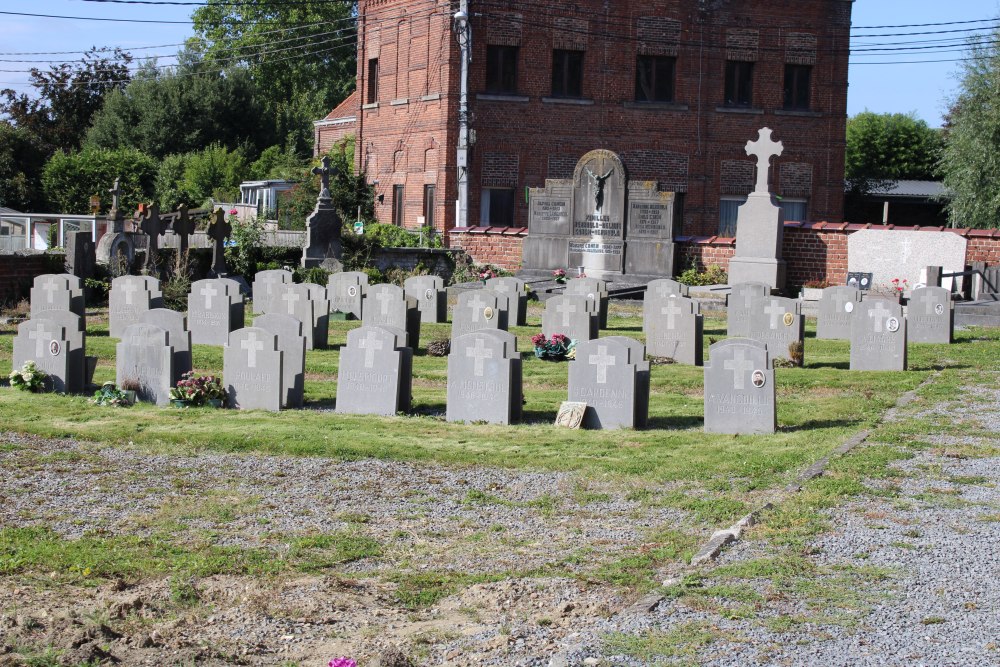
(343, 662)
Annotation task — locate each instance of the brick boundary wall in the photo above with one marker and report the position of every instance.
(814, 251)
(17, 273)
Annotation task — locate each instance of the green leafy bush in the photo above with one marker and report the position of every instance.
(70, 179)
(713, 275)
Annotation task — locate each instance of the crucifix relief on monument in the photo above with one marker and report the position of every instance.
(599, 187)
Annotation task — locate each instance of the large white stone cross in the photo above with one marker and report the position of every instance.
(775, 311)
(480, 353)
(291, 298)
(370, 344)
(565, 309)
(880, 312)
(50, 287)
(671, 310)
(252, 345)
(740, 366)
(602, 360)
(477, 304)
(384, 299)
(129, 288)
(208, 292)
(764, 149)
(41, 337)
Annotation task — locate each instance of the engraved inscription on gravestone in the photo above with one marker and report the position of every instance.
(930, 316)
(253, 370)
(484, 378)
(878, 336)
(607, 376)
(145, 356)
(375, 373)
(571, 316)
(739, 388)
(739, 306)
(835, 308)
(674, 328)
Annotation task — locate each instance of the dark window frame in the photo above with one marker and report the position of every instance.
(430, 192)
(399, 205)
(798, 87)
(372, 92)
(499, 212)
(501, 69)
(739, 84)
(567, 73)
(655, 78)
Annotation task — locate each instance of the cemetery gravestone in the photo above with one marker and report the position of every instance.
(295, 302)
(346, 292)
(57, 291)
(145, 357)
(777, 322)
(323, 246)
(477, 310)
(517, 298)
(739, 306)
(268, 287)
(607, 375)
(739, 388)
(152, 226)
(878, 336)
(836, 310)
(321, 315)
(219, 229)
(252, 367)
(484, 378)
(674, 328)
(930, 317)
(131, 296)
(388, 306)
(431, 297)
(596, 291)
(666, 287)
(650, 230)
(215, 308)
(292, 344)
(376, 372)
(81, 255)
(571, 316)
(183, 226)
(599, 191)
(175, 324)
(45, 343)
(81, 367)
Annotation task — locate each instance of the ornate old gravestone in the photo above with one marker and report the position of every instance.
(666, 287)
(294, 301)
(836, 310)
(739, 306)
(388, 306)
(612, 378)
(674, 328)
(130, 296)
(268, 287)
(477, 310)
(219, 230)
(595, 290)
(183, 226)
(323, 246)
(292, 344)
(739, 388)
(572, 316)
(47, 344)
(215, 308)
(517, 298)
(346, 292)
(584, 222)
(375, 373)
(878, 336)
(484, 378)
(777, 322)
(759, 224)
(116, 248)
(146, 357)
(175, 324)
(152, 226)
(252, 367)
(57, 291)
(930, 316)
(431, 296)
(321, 315)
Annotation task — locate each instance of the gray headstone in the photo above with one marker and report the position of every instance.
(80, 370)
(650, 232)
(81, 257)
(517, 298)
(175, 324)
(346, 292)
(484, 378)
(836, 310)
(211, 312)
(666, 287)
(294, 301)
(739, 305)
(145, 356)
(267, 288)
(388, 306)
(45, 343)
(572, 316)
(253, 371)
(607, 375)
(596, 291)
(930, 316)
(431, 297)
(674, 328)
(57, 291)
(130, 296)
(777, 322)
(292, 344)
(375, 373)
(321, 315)
(739, 388)
(878, 336)
(477, 310)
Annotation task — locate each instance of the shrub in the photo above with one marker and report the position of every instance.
(70, 179)
(713, 275)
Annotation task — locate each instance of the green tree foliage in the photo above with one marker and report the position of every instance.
(70, 179)
(971, 162)
(349, 190)
(22, 156)
(891, 147)
(193, 178)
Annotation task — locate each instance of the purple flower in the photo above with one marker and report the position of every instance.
(343, 662)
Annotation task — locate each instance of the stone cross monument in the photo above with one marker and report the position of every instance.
(323, 247)
(759, 224)
(152, 226)
(116, 215)
(219, 230)
(184, 227)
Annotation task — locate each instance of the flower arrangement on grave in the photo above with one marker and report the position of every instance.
(560, 276)
(110, 394)
(487, 273)
(28, 378)
(194, 389)
(899, 286)
(556, 348)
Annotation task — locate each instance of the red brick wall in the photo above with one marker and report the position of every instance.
(17, 273)
(500, 246)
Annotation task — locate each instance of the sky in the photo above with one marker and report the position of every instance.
(888, 87)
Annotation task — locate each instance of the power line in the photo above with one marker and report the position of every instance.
(94, 18)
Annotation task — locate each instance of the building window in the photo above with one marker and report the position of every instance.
(429, 205)
(398, 205)
(794, 209)
(501, 69)
(728, 210)
(372, 81)
(496, 207)
(797, 87)
(739, 83)
(654, 79)
(567, 73)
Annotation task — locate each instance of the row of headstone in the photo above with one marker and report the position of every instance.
(574, 316)
(674, 327)
(130, 297)
(215, 308)
(596, 291)
(930, 316)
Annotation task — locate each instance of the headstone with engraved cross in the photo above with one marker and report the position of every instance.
(47, 344)
(777, 322)
(484, 378)
(252, 368)
(267, 289)
(211, 315)
(129, 297)
(292, 344)
(611, 376)
(293, 300)
(375, 374)
(389, 306)
(477, 310)
(431, 296)
(323, 246)
(346, 292)
(57, 291)
(878, 336)
(930, 316)
(739, 388)
(572, 316)
(666, 287)
(836, 310)
(595, 290)
(153, 227)
(175, 324)
(674, 328)
(517, 298)
(219, 230)
(740, 303)
(80, 368)
(145, 357)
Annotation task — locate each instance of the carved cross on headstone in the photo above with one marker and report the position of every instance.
(740, 366)
(153, 228)
(41, 336)
(480, 354)
(208, 292)
(602, 360)
(880, 313)
(50, 287)
(183, 226)
(219, 230)
(764, 149)
(290, 298)
(671, 310)
(776, 312)
(252, 346)
(130, 288)
(384, 299)
(370, 344)
(324, 174)
(566, 310)
(926, 298)
(477, 304)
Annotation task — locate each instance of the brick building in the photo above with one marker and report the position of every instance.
(675, 87)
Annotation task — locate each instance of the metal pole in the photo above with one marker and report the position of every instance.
(463, 32)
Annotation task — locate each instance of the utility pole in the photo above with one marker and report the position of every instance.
(463, 32)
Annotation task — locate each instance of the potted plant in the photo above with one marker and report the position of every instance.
(486, 273)
(559, 275)
(111, 395)
(130, 387)
(556, 348)
(198, 390)
(28, 378)
(812, 290)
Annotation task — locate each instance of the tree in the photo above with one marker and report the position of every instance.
(22, 156)
(194, 178)
(70, 179)
(971, 161)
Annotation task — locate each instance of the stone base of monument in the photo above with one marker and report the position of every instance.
(757, 270)
(649, 258)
